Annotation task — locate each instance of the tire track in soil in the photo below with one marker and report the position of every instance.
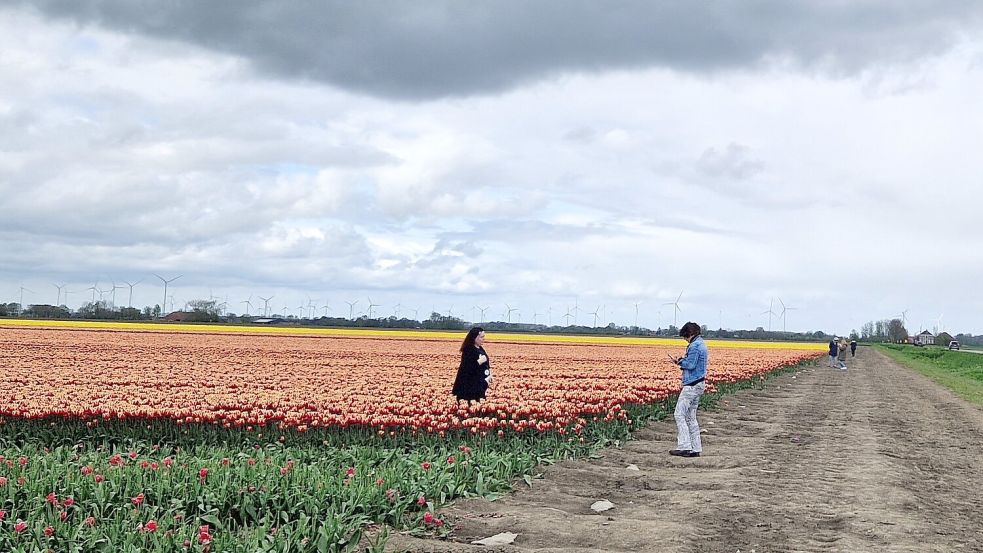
(875, 458)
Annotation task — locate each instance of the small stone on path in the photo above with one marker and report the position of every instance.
(505, 538)
(632, 467)
(601, 506)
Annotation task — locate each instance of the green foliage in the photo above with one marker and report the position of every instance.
(264, 490)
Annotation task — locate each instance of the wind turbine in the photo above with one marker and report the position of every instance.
(249, 304)
(131, 290)
(351, 309)
(103, 293)
(636, 314)
(22, 290)
(166, 282)
(116, 287)
(311, 306)
(95, 288)
(266, 304)
(568, 316)
(534, 316)
(58, 301)
(482, 310)
(769, 312)
(508, 313)
(938, 325)
(595, 315)
(782, 315)
(396, 310)
(371, 305)
(904, 318)
(300, 311)
(326, 308)
(675, 309)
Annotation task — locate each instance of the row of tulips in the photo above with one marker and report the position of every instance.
(126, 486)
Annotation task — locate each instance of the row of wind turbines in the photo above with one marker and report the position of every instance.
(310, 308)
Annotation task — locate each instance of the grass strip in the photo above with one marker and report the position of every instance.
(961, 372)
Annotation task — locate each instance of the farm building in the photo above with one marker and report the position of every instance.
(178, 316)
(267, 321)
(924, 338)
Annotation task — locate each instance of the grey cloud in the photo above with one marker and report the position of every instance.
(736, 161)
(447, 48)
(581, 135)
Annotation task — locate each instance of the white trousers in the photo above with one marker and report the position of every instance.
(688, 430)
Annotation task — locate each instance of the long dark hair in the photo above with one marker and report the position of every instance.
(469, 339)
(690, 330)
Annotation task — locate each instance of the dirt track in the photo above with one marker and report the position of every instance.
(876, 458)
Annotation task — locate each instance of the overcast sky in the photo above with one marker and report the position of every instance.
(540, 155)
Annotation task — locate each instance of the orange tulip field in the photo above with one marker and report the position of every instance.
(146, 438)
(304, 382)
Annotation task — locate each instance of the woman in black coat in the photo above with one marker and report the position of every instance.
(474, 373)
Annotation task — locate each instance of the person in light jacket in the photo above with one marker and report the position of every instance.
(694, 372)
(841, 353)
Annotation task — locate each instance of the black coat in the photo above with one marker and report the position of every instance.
(471, 382)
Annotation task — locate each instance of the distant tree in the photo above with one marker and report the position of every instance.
(204, 311)
(943, 339)
(896, 331)
(131, 314)
(854, 335)
(47, 312)
(95, 310)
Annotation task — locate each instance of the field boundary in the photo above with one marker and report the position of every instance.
(370, 333)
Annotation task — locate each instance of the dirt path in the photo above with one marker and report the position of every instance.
(875, 458)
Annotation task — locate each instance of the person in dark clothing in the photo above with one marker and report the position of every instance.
(853, 348)
(474, 373)
(832, 352)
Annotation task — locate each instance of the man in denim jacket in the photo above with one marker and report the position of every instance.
(694, 367)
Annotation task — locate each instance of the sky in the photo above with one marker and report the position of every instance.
(550, 158)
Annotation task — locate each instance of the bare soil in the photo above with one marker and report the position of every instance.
(875, 458)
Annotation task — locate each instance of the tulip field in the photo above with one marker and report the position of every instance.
(163, 440)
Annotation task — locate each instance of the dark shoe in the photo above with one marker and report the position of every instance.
(691, 454)
(680, 452)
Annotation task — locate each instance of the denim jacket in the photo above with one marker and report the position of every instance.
(694, 365)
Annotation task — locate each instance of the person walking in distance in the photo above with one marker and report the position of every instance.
(832, 352)
(694, 367)
(853, 348)
(841, 353)
(474, 372)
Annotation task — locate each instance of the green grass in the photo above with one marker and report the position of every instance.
(962, 372)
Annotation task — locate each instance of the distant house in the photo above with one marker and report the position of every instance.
(924, 338)
(178, 316)
(267, 321)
